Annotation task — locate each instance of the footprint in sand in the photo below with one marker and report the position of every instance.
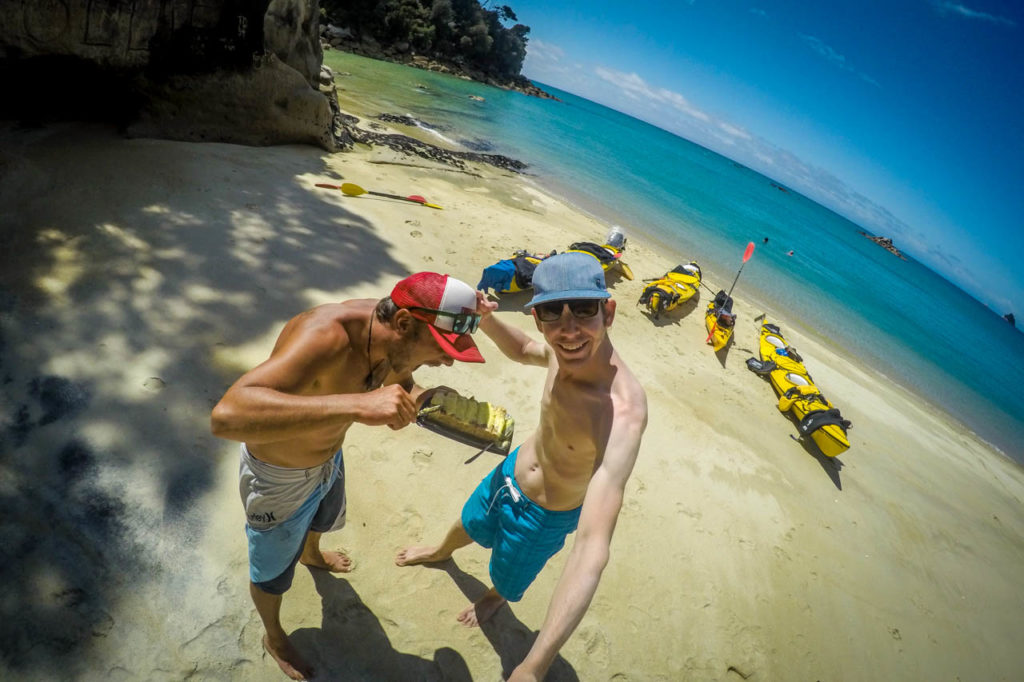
(154, 384)
(409, 521)
(596, 645)
(422, 457)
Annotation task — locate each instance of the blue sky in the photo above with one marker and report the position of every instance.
(906, 116)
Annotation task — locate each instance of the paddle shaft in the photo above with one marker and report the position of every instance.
(746, 256)
(395, 196)
(354, 190)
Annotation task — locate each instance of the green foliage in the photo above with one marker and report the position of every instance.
(459, 31)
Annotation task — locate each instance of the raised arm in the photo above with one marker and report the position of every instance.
(266, 404)
(513, 342)
(590, 551)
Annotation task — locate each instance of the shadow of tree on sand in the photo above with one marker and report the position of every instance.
(116, 311)
(351, 645)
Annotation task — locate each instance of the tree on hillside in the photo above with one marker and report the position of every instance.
(460, 31)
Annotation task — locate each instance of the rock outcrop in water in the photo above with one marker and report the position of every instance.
(201, 70)
(412, 146)
(885, 243)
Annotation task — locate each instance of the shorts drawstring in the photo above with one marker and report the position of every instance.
(511, 492)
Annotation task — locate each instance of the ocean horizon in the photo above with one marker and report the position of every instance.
(896, 318)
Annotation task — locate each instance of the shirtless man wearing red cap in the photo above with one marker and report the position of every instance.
(332, 366)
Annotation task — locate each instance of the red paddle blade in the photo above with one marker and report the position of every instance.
(417, 198)
(749, 252)
(326, 186)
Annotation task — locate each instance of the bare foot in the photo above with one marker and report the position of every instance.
(482, 610)
(292, 664)
(335, 562)
(410, 556)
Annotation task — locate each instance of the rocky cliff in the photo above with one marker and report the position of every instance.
(244, 71)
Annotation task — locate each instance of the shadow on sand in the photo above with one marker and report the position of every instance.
(831, 465)
(674, 316)
(109, 366)
(508, 635)
(351, 645)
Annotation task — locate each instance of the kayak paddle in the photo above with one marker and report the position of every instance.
(746, 256)
(354, 190)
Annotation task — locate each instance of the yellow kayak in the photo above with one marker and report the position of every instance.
(798, 394)
(719, 321)
(671, 290)
(608, 255)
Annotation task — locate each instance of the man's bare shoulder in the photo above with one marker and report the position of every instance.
(329, 325)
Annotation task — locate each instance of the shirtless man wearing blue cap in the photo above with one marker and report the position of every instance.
(568, 475)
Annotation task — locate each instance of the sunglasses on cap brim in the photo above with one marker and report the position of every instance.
(463, 323)
(581, 309)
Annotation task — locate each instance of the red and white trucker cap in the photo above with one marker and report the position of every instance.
(440, 292)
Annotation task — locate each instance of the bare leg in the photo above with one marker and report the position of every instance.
(481, 610)
(275, 641)
(456, 538)
(335, 562)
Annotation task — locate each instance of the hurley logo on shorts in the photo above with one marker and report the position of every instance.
(264, 517)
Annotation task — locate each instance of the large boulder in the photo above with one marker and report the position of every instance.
(245, 71)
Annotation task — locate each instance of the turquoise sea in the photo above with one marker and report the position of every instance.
(903, 319)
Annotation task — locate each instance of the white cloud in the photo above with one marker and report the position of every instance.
(956, 8)
(734, 131)
(545, 52)
(638, 89)
(826, 51)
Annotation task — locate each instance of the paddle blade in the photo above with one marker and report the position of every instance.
(352, 190)
(417, 198)
(429, 205)
(749, 252)
(326, 186)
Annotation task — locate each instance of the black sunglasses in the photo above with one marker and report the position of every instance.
(464, 323)
(581, 309)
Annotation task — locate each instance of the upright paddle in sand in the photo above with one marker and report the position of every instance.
(746, 256)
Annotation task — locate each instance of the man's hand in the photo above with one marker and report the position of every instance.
(484, 305)
(389, 405)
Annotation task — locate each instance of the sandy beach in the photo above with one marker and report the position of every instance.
(139, 278)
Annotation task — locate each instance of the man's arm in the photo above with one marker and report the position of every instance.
(590, 551)
(513, 342)
(265, 406)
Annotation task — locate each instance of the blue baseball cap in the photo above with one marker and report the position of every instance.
(567, 276)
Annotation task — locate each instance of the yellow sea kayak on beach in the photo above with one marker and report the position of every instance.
(609, 254)
(719, 320)
(798, 394)
(674, 288)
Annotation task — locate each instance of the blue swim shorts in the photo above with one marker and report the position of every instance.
(521, 534)
(281, 506)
